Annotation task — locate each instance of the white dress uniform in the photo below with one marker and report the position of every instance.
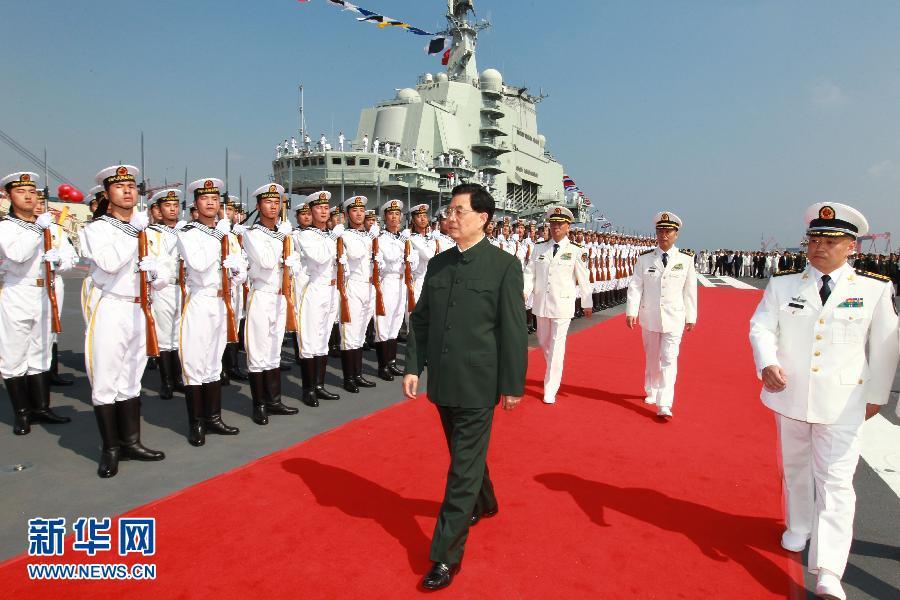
(266, 304)
(357, 286)
(162, 242)
(319, 300)
(425, 247)
(664, 298)
(837, 357)
(556, 275)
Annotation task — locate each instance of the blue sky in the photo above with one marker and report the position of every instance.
(734, 114)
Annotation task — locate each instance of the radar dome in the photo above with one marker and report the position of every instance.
(408, 95)
(492, 80)
(441, 77)
(428, 78)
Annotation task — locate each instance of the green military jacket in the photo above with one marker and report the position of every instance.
(468, 328)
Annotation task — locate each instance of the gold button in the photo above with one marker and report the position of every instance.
(860, 380)
(818, 337)
(821, 321)
(851, 318)
(815, 369)
(817, 353)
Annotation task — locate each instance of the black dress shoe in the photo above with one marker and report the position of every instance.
(479, 515)
(440, 576)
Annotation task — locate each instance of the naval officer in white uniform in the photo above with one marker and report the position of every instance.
(662, 298)
(556, 274)
(825, 345)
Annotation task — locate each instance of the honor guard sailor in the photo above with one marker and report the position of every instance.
(231, 368)
(267, 304)
(556, 275)
(423, 243)
(662, 298)
(358, 291)
(162, 243)
(116, 342)
(825, 345)
(207, 252)
(25, 320)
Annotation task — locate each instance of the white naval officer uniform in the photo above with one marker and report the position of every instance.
(664, 298)
(555, 279)
(391, 248)
(162, 242)
(319, 302)
(357, 280)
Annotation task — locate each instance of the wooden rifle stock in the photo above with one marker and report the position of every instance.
(287, 285)
(50, 277)
(245, 286)
(408, 278)
(181, 282)
(230, 321)
(345, 306)
(152, 341)
(376, 281)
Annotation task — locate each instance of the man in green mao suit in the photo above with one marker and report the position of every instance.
(468, 328)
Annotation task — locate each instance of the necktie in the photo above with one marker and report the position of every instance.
(665, 259)
(825, 291)
(555, 248)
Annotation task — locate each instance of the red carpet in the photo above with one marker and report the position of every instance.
(598, 499)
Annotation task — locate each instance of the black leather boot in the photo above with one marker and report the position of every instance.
(55, 377)
(381, 352)
(370, 336)
(358, 379)
(234, 370)
(193, 399)
(529, 318)
(392, 358)
(177, 378)
(212, 410)
(296, 338)
(166, 378)
(109, 433)
(321, 392)
(17, 388)
(274, 406)
(39, 397)
(348, 367)
(334, 342)
(308, 377)
(128, 417)
(152, 363)
(258, 395)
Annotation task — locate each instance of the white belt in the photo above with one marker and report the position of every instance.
(267, 289)
(9, 281)
(322, 281)
(212, 292)
(121, 297)
(391, 276)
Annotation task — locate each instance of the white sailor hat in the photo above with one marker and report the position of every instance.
(419, 209)
(234, 202)
(166, 195)
(117, 174)
(207, 185)
(560, 214)
(95, 192)
(20, 179)
(335, 210)
(835, 219)
(270, 190)
(317, 198)
(355, 202)
(666, 220)
(303, 207)
(370, 212)
(392, 205)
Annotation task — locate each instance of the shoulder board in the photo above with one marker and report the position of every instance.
(786, 272)
(647, 251)
(877, 276)
(688, 252)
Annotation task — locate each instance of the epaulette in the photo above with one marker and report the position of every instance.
(877, 276)
(688, 252)
(786, 272)
(647, 251)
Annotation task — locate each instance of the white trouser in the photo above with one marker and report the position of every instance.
(661, 365)
(393, 291)
(361, 300)
(90, 296)
(60, 288)
(817, 465)
(551, 334)
(24, 330)
(166, 308)
(115, 349)
(319, 305)
(417, 286)
(264, 330)
(201, 339)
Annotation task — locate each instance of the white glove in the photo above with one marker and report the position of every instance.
(180, 225)
(404, 235)
(44, 220)
(239, 229)
(293, 262)
(234, 264)
(514, 237)
(338, 230)
(148, 264)
(285, 228)
(52, 256)
(223, 226)
(343, 260)
(379, 260)
(139, 220)
(374, 231)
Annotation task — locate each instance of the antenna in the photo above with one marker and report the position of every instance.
(302, 118)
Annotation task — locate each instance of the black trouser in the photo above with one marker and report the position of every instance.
(469, 489)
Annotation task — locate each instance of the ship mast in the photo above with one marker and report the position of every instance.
(461, 63)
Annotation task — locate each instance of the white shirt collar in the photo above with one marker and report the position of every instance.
(835, 275)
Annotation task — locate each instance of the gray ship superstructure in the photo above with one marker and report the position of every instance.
(451, 127)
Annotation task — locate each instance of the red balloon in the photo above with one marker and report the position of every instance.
(63, 190)
(75, 196)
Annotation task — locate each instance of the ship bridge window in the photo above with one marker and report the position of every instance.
(351, 161)
(305, 162)
(322, 161)
(364, 162)
(297, 163)
(336, 160)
